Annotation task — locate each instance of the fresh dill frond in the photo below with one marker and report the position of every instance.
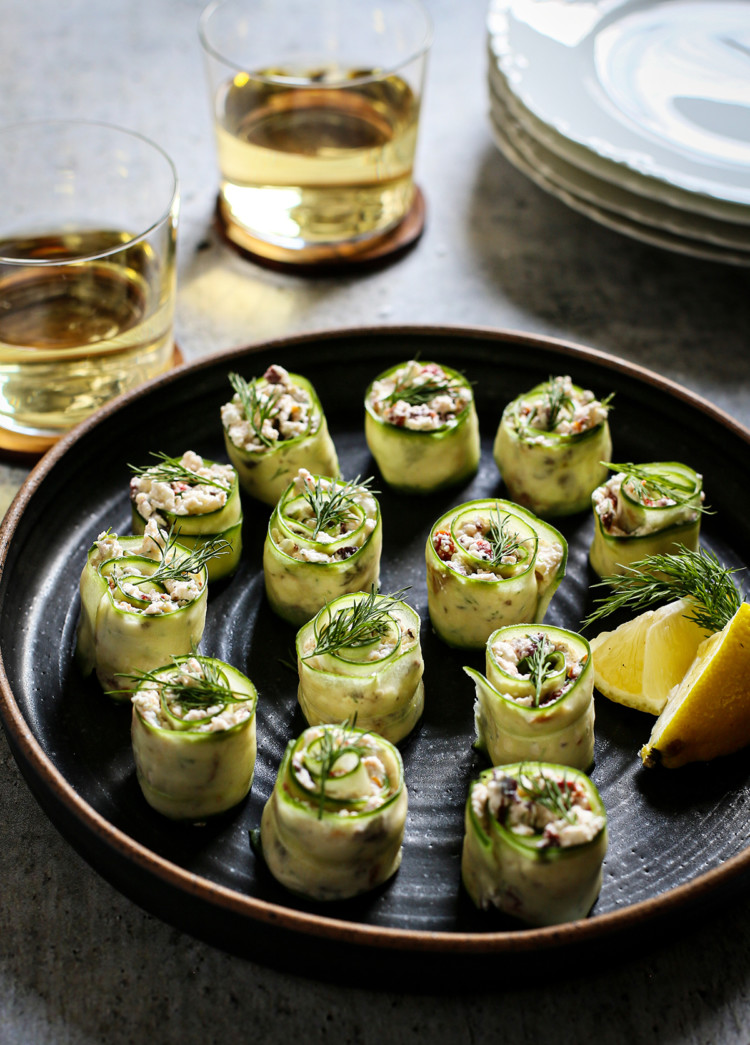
(333, 503)
(556, 400)
(172, 470)
(548, 793)
(172, 568)
(357, 624)
(257, 407)
(543, 661)
(502, 540)
(698, 577)
(425, 392)
(334, 743)
(648, 485)
(191, 689)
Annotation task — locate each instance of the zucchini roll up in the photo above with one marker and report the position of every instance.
(143, 600)
(421, 426)
(193, 734)
(490, 563)
(361, 656)
(273, 426)
(645, 509)
(324, 539)
(535, 841)
(200, 499)
(537, 701)
(550, 446)
(334, 823)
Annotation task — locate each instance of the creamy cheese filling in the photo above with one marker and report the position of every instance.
(403, 398)
(360, 521)
(183, 497)
(285, 411)
(505, 798)
(212, 718)
(579, 412)
(509, 653)
(375, 788)
(616, 520)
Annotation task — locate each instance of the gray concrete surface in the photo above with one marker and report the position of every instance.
(80, 964)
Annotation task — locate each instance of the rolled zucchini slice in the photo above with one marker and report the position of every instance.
(143, 600)
(537, 701)
(421, 426)
(361, 656)
(324, 539)
(644, 509)
(550, 446)
(273, 426)
(334, 823)
(194, 738)
(198, 498)
(490, 563)
(535, 841)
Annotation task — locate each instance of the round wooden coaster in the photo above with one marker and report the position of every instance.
(328, 260)
(26, 449)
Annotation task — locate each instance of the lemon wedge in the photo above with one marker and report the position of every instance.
(639, 663)
(708, 712)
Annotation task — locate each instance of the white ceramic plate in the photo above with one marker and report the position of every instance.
(662, 88)
(610, 197)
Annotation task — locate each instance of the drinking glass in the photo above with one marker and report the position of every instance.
(88, 225)
(316, 108)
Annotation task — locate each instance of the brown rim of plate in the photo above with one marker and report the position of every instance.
(321, 926)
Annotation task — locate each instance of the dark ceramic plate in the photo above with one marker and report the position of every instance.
(676, 838)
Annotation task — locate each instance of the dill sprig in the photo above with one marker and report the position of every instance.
(649, 485)
(256, 406)
(502, 540)
(698, 577)
(334, 743)
(331, 504)
(191, 689)
(357, 624)
(425, 392)
(556, 400)
(172, 470)
(539, 664)
(548, 793)
(172, 568)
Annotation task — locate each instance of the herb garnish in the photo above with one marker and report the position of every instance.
(543, 661)
(172, 470)
(548, 793)
(192, 690)
(257, 407)
(357, 624)
(332, 505)
(424, 392)
(503, 541)
(698, 577)
(334, 743)
(171, 568)
(556, 399)
(649, 485)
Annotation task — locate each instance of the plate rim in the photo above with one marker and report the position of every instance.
(25, 747)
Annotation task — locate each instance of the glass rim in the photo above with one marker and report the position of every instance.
(63, 123)
(372, 77)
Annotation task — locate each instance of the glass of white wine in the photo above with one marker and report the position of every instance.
(88, 226)
(316, 108)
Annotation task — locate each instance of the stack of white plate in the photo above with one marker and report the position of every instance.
(634, 112)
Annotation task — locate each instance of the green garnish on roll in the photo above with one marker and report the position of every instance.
(143, 600)
(324, 539)
(361, 656)
(194, 737)
(537, 700)
(490, 563)
(642, 510)
(273, 426)
(535, 840)
(334, 823)
(550, 446)
(198, 497)
(421, 426)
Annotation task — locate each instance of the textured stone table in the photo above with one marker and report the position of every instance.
(79, 963)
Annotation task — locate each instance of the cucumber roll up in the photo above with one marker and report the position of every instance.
(645, 509)
(550, 446)
(324, 539)
(361, 656)
(143, 600)
(273, 426)
(334, 823)
(421, 426)
(199, 498)
(490, 563)
(535, 840)
(537, 701)
(193, 735)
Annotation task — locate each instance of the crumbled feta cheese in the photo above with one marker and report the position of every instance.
(288, 407)
(183, 496)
